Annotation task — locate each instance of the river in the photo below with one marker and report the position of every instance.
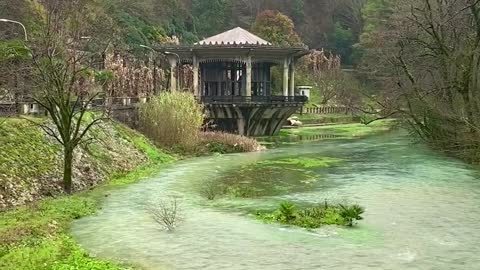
(422, 212)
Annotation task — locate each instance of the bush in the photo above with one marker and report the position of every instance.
(351, 213)
(172, 119)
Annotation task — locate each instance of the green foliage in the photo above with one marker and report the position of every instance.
(286, 212)
(298, 10)
(277, 28)
(172, 119)
(313, 217)
(377, 17)
(343, 40)
(351, 213)
(13, 50)
(104, 76)
(138, 31)
(209, 16)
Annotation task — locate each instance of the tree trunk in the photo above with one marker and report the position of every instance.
(67, 169)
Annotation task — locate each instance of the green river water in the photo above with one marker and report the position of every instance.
(422, 211)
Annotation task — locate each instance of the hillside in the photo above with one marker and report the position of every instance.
(150, 21)
(30, 163)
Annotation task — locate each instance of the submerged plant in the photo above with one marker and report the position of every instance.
(210, 190)
(166, 213)
(351, 213)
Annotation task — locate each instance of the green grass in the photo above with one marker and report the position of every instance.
(17, 139)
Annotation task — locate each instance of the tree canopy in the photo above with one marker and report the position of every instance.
(277, 28)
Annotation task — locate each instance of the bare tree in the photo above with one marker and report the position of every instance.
(431, 52)
(64, 73)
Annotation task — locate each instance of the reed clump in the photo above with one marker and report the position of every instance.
(172, 120)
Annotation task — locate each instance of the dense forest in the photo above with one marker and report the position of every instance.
(330, 24)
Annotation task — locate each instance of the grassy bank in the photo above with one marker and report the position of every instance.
(343, 130)
(318, 133)
(36, 236)
(312, 119)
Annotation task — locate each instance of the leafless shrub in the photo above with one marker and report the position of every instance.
(166, 213)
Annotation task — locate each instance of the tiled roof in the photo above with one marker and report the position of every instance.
(236, 36)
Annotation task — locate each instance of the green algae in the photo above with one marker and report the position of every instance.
(269, 178)
(303, 162)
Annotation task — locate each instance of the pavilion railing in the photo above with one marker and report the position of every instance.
(252, 99)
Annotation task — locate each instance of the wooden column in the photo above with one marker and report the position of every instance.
(173, 67)
(285, 77)
(292, 79)
(248, 86)
(196, 90)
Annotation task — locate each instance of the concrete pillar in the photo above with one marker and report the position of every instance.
(196, 90)
(249, 77)
(241, 126)
(285, 77)
(24, 108)
(34, 108)
(173, 67)
(292, 79)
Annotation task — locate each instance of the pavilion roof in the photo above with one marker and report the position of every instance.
(236, 36)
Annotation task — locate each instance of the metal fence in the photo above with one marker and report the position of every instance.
(328, 110)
